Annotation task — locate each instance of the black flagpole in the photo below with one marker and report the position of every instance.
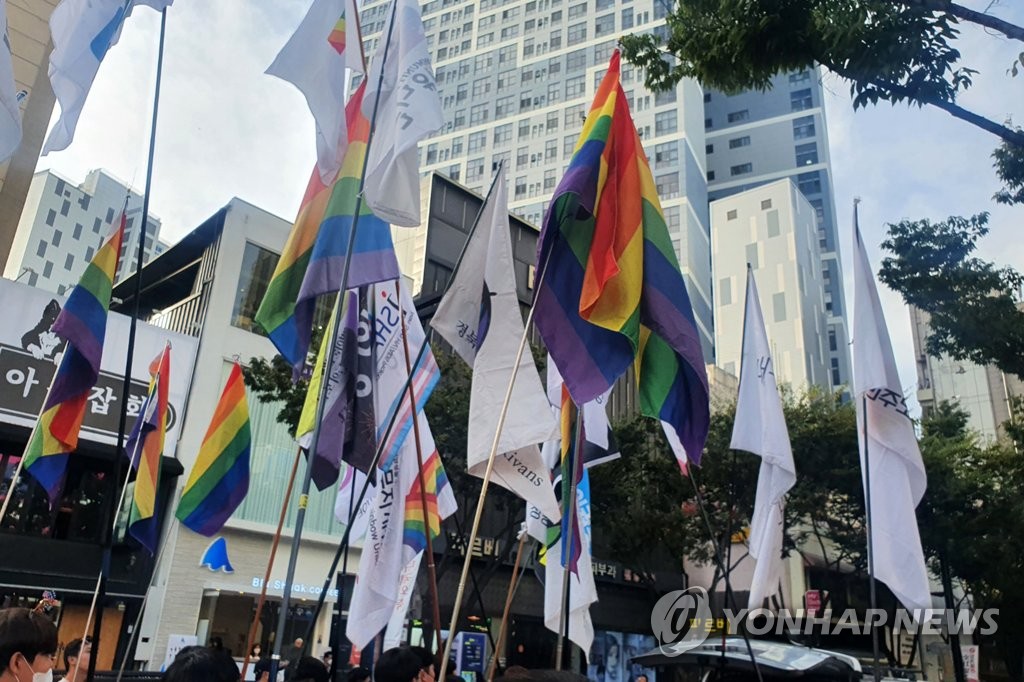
(108, 538)
(876, 673)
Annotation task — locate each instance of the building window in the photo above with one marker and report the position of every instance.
(457, 147)
(257, 268)
(568, 146)
(603, 52)
(801, 99)
(89, 253)
(667, 97)
(477, 141)
(479, 113)
(41, 249)
(58, 188)
(69, 262)
(806, 154)
(65, 207)
(708, 123)
(55, 239)
(779, 306)
(575, 87)
(751, 253)
(432, 153)
(766, 204)
(521, 187)
(666, 154)
(737, 142)
(809, 183)
(803, 127)
(577, 10)
(604, 25)
(741, 169)
(503, 134)
(47, 269)
(51, 217)
(665, 122)
(576, 61)
(711, 175)
(707, 97)
(474, 170)
(832, 345)
(709, 149)
(627, 18)
(77, 232)
(737, 116)
(799, 78)
(549, 180)
(731, 214)
(668, 185)
(725, 291)
(577, 33)
(772, 218)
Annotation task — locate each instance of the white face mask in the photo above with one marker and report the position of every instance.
(41, 677)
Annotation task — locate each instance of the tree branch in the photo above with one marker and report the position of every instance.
(1009, 30)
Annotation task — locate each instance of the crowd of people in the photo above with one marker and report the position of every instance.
(28, 653)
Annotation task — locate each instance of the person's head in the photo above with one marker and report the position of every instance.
(358, 674)
(641, 678)
(403, 664)
(201, 664)
(28, 646)
(298, 643)
(328, 658)
(310, 669)
(77, 654)
(256, 651)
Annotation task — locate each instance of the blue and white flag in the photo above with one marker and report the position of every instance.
(82, 32)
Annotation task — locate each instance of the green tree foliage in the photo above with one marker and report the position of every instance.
(972, 303)
(1010, 168)
(271, 381)
(888, 51)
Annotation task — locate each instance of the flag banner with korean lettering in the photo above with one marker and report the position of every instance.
(391, 302)
(31, 353)
(610, 294)
(760, 428)
(480, 316)
(350, 484)
(409, 111)
(145, 448)
(314, 59)
(82, 32)
(10, 98)
(83, 324)
(897, 477)
(219, 480)
(373, 253)
(347, 426)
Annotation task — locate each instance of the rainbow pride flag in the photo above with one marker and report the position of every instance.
(220, 477)
(83, 324)
(611, 294)
(373, 254)
(571, 474)
(436, 481)
(144, 448)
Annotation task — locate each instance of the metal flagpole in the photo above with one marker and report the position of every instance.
(250, 640)
(307, 479)
(876, 673)
(429, 550)
(567, 536)
(339, 632)
(141, 255)
(692, 471)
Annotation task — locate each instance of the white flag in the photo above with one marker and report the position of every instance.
(394, 633)
(480, 317)
(599, 444)
(314, 60)
(409, 110)
(10, 101)
(760, 428)
(582, 590)
(897, 477)
(82, 32)
(351, 485)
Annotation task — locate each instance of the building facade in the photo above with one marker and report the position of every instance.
(28, 32)
(64, 225)
(753, 138)
(773, 228)
(516, 80)
(984, 392)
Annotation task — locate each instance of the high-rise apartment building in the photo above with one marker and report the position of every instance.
(63, 226)
(753, 138)
(516, 80)
(774, 229)
(984, 392)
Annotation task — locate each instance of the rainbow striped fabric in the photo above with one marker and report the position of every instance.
(83, 324)
(571, 473)
(611, 294)
(436, 481)
(145, 447)
(373, 255)
(220, 477)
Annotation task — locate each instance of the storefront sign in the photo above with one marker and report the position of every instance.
(297, 588)
(29, 353)
(971, 656)
(215, 557)
(812, 601)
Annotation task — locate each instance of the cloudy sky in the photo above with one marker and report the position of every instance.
(227, 130)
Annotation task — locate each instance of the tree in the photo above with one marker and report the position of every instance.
(972, 303)
(1010, 168)
(888, 51)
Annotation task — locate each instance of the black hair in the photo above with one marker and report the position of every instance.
(312, 669)
(358, 674)
(72, 649)
(27, 633)
(252, 651)
(201, 664)
(427, 659)
(400, 664)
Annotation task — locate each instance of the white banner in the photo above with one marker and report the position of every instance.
(29, 353)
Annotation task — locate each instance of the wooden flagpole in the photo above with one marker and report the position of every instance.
(513, 586)
(429, 550)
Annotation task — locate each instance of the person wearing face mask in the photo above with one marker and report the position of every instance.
(28, 646)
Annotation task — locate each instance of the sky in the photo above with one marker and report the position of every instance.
(225, 129)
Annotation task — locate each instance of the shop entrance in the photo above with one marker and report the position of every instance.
(229, 616)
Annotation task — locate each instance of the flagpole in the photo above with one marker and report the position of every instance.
(431, 568)
(718, 560)
(873, 597)
(340, 634)
(300, 516)
(133, 324)
(270, 562)
(476, 586)
(513, 585)
(567, 536)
